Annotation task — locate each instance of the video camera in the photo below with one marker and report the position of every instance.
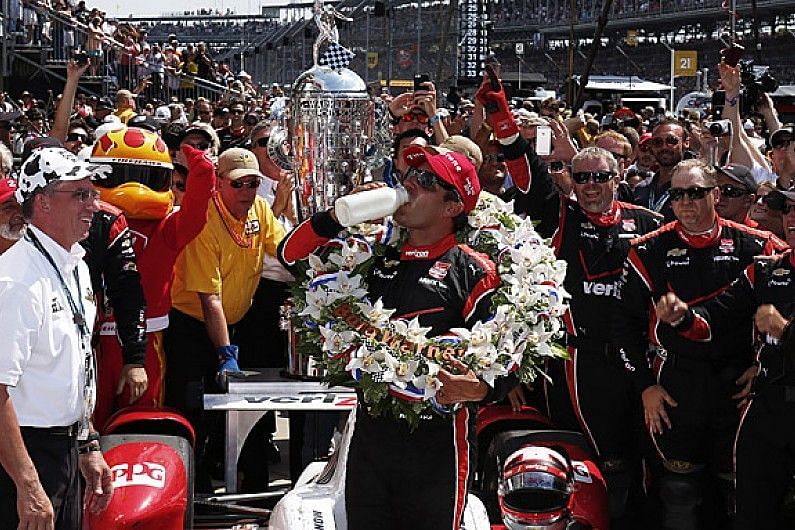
(755, 83)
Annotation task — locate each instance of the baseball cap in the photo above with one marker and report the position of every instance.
(236, 163)
(8, 188)
(776, 199)
(124, 94)
(104, 104)
(741, 175)
(163, 114)
(39, 143)
(197, 129)
(48, 164)
(785, 134)
(465, 146)
(453, 168)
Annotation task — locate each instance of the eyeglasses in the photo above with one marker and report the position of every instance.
(695, 193)
(732, 192)
(420, 117)
(599, 177)
(426, 179)
(262, 142)
(670, 140)
(83, 195)
(498, 157)
(75, 137)
(180, 185)
(251, 184)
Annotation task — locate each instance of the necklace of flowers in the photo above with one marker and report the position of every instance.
(393, 363)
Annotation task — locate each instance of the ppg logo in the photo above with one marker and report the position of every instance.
(139, 474)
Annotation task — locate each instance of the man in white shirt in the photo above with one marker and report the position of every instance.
(46, 370)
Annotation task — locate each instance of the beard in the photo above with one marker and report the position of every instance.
(6, 232)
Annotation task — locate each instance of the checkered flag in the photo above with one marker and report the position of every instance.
(336, 56)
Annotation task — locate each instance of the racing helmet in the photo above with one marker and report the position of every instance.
(535, 488)
(140, 181)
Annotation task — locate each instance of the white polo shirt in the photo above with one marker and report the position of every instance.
(42, 356)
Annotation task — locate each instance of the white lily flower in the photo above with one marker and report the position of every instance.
(429, 383)
(489, 369)
(352, 255)
(479, 338)
(316, 300)
(316, 266)
(336, 342)
(365, 360)
(412, 330)
(375, 313)
(400, 372)
(345, 286)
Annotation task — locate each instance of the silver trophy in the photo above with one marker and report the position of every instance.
(339, 133)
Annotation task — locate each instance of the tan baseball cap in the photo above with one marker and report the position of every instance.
(236, 163)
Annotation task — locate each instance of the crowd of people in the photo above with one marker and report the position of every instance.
(173, 216)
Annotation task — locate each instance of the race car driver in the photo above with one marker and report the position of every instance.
(398, 478)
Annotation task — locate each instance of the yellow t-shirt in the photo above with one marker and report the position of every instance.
(125, 115)
(218, 262)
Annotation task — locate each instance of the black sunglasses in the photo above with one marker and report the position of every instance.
(695, 193)
(599, 177)
(201, 146)
(74, 137)
(426, 179)
(252, 184)
(180, 185)
(670, 140)
(262, 142)
(732, 192)
(778, 202)
(498, 157)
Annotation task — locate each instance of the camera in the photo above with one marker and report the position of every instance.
(719, 128)
(81, 58)
(755, 83)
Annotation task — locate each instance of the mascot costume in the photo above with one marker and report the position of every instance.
(140, 186)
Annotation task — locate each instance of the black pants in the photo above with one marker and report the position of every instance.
(765, 460)
(399, 479)
(56, 460)
(191, 365)
(261, 342)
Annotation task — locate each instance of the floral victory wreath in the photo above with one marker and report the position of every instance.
(393, 363)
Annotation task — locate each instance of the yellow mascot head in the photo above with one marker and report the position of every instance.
(140, 184)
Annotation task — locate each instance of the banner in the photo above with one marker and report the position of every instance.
(685, 63)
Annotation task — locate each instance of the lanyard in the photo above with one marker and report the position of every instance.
(230, 230)
(77, 308)
(656, 205)
(79, 318)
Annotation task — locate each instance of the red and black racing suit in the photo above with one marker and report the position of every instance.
(764, 456)
(113, 266)
(700, 376)
(397, 478)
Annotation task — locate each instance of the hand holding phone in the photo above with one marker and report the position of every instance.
(420, 80)
(543, 140)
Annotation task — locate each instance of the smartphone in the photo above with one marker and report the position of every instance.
(732, 54)
(419, 80)
(543, 140)
(718, 102)
(80, 58)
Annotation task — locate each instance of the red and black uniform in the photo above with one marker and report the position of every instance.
(534, 194)
(765, 445)
(397, 478)
(590, 392)
(117, 282)
(699, 375)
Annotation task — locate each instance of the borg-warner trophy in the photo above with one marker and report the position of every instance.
(339, 133)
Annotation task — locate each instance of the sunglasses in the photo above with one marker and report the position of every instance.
(238, 112)
(420, 117)
(732, 192)
(251, 184)
(778, 202)
(695, 193)
(556, 166)
(74, 137)
(262, 142)
(426, 179)
(180, 185)
(599, 177)
(82, 196)
(670, 140)
(498, 157)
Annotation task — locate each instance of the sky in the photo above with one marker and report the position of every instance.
(123, 8)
